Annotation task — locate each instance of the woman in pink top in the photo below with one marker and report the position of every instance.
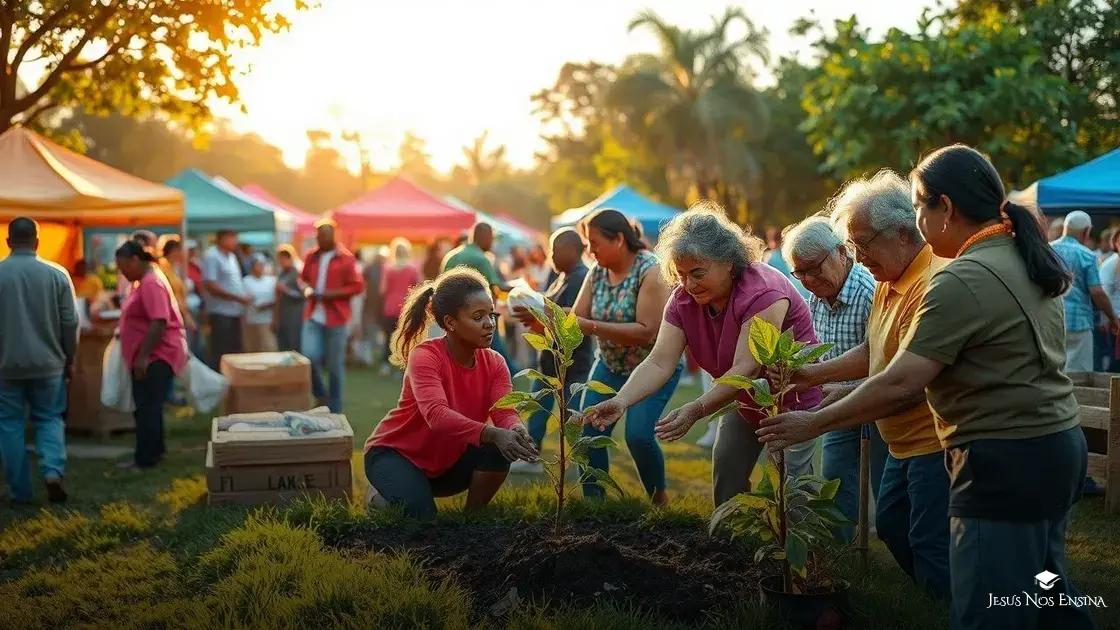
(444, 436)
(396, 280)
(721, 284)
(153, 345)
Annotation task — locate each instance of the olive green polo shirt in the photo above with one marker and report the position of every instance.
(471, 255)
(1003, 361)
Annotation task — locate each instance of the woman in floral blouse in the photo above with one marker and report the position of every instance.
(621, 304)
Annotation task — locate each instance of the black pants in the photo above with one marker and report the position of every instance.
(225, 338)
(401, 483)
(150, 393)
(389, 326)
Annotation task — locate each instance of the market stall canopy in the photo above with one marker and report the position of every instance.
(649, 213)
(399, 208)
(214, 204)
(1094, 187)
(47, 182)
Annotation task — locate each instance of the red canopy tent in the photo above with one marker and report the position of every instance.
(399, 208)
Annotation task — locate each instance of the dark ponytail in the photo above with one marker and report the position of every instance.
(612, 223)
(969, 179)
(135, 249)
(432, 299)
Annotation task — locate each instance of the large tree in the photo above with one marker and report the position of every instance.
(693, 105)
(1032, 84)
(125, 56)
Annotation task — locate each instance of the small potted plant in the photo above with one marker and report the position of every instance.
(561, 337)
(794, 520)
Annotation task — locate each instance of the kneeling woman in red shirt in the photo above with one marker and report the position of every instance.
(437, 442)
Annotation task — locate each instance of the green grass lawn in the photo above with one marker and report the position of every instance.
(143, 550)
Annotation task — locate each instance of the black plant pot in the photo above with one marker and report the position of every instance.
(808, 611)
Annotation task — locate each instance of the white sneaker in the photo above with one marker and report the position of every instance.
(521, 467)
(708, 440)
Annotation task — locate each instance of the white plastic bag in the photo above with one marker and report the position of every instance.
(205, 387)
(116, 380)
(526, 298)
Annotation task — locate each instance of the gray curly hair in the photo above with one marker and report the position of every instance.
(705, 233)
(886, 199)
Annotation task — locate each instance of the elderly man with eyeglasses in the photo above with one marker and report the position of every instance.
(912, 512)
(840, 297)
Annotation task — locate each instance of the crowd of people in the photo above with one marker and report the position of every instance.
(954, 323)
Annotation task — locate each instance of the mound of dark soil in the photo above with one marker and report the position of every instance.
(676, 570)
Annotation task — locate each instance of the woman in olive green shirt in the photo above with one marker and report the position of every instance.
(987, 349)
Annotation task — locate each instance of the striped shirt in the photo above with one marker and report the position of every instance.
(844, 324)
(1082, 263)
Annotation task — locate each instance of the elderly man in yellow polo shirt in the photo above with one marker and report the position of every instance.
(912, 514)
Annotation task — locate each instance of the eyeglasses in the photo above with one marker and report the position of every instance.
(862, 248)
(811, 272)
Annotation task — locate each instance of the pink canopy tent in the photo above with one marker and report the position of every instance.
(304, 220)
(399, 208)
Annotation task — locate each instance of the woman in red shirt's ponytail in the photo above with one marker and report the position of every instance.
(444, 437)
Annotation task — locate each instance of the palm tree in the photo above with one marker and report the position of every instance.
(693, 104)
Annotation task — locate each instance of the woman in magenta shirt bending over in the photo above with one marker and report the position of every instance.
(153, 345)
(720, 284)
(444, 437)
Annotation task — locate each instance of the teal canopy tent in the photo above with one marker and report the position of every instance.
(213, 204)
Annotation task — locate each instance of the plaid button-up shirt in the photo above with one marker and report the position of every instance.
(1082, 263)
(844, 324)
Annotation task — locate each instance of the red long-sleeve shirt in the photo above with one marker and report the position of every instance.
(444, 406)
(342, 273)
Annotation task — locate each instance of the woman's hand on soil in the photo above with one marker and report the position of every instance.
(786, 429)
(677, 422)
(604, 414)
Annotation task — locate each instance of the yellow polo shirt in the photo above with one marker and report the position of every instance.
(893, 310)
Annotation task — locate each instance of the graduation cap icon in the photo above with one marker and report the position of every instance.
(1046, 580)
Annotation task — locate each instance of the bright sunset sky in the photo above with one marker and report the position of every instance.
(450, 69)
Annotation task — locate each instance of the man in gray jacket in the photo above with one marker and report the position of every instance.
(38, 340)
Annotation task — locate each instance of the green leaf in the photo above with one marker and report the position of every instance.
(763, 339)
(572, 431)
(761, 393)
(812, 353)
(770, 473)
(570, 334)
(538, 342)
(538, 376)
(727, 508)
(752, 501)
(737, 381)
(528, 408)
(601, 388)
(603, 478)
(785, 346)
(595, 441)
(797, 553)
(512, 400)
(828, 490)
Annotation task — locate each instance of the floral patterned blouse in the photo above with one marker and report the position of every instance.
(619, 304)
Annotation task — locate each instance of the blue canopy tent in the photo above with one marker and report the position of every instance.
(650, 214)
(213, 204)
(1093, 187)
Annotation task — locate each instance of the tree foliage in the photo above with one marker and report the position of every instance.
(128, 56)
(1031, 84)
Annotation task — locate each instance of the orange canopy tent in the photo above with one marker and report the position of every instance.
(65, 192)
(399, 208)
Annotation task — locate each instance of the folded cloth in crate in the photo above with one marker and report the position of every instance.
(295, 422)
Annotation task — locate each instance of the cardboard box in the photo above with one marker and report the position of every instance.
(273, 498)
(266, 368)
(276, 478)
(251, 398)
(276, 446)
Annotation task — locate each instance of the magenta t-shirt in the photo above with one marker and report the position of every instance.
(395, 283)
(151, 299)
(713, 338)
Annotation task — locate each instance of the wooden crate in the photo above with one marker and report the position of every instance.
(1098, 394)
(85, 413)
(277, 447)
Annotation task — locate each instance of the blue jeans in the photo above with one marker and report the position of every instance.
(538, 422)
(841, 461)
(1000, 558)
(912, 518)
(44, 400)
(640, 439)
(325, 346)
